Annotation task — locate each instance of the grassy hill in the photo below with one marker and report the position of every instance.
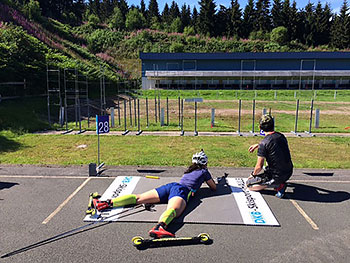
(28, 45)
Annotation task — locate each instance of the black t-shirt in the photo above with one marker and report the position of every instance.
(274, 148)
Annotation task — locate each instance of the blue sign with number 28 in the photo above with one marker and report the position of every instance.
(102, 124)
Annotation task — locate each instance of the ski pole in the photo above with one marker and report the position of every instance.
(70, 232)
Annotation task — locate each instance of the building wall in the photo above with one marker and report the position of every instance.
(244, 62)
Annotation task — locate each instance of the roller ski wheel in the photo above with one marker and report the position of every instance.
(137, 241)
(142, 243)
(205, 238)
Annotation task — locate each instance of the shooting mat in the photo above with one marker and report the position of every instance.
(231, 203)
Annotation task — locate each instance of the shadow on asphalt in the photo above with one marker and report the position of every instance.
(309, 193)
(5, 185)
(150, 171)
(319, 174)
(202, 193)
(69, 233)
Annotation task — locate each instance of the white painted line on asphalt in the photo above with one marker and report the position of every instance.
(318, 181)
(307, 218)
(65, 202)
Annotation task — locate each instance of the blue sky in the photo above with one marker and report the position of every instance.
(335, 4)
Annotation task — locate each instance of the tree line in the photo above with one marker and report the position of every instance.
(313, 25)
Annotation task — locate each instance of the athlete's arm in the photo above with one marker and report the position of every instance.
(253, 147)
(211, 184)
(259, 165)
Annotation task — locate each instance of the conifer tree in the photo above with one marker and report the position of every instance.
(124, 8)
(263, 19)
(286, 13)
(294, 22)
(174, 11)
(143, 8)
(94, 7)
(277, 16)
(153, 10)
(106, 10)
(166, 14)
(207, 17)
(341, 28)
(322, 24)
(117, 20)
(249, 16)
(185, 15)
(223, 21)
(235, 19)
(309, 24)
(195, 19)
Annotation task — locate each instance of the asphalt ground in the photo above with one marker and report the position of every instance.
(42, 210)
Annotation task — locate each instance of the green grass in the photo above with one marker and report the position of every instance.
(271, 95)
(319, 152)
(20, 117)
(23, 115)
(30, 114)
(334, 117)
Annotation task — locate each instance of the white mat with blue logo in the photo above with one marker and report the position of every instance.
(232, 203)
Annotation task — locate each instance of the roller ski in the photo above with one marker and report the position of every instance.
(95, 204)
(142, 243)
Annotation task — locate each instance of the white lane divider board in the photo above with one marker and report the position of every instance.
(253, 208)
(122, 185)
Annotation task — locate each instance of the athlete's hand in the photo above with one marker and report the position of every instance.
(253, 147)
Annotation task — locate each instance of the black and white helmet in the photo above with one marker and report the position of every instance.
(200, 158)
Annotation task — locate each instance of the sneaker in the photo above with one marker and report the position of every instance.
(281, 190)
(159, 231)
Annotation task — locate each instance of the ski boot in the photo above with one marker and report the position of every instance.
(102, 205)
(159, 231)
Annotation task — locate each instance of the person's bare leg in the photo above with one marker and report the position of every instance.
(149, 197)
(257, 187)
(178, 204)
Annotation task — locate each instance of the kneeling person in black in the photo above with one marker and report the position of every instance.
(274, 149)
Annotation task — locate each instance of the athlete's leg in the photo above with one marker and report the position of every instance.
(257, 187)
(149, 197)
(176, 206)
(256, 183)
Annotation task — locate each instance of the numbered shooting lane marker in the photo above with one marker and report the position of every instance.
(102, 126)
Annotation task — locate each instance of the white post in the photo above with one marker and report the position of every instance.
(317, 118)
(162, 117)
(212, 117)
(112, 117)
